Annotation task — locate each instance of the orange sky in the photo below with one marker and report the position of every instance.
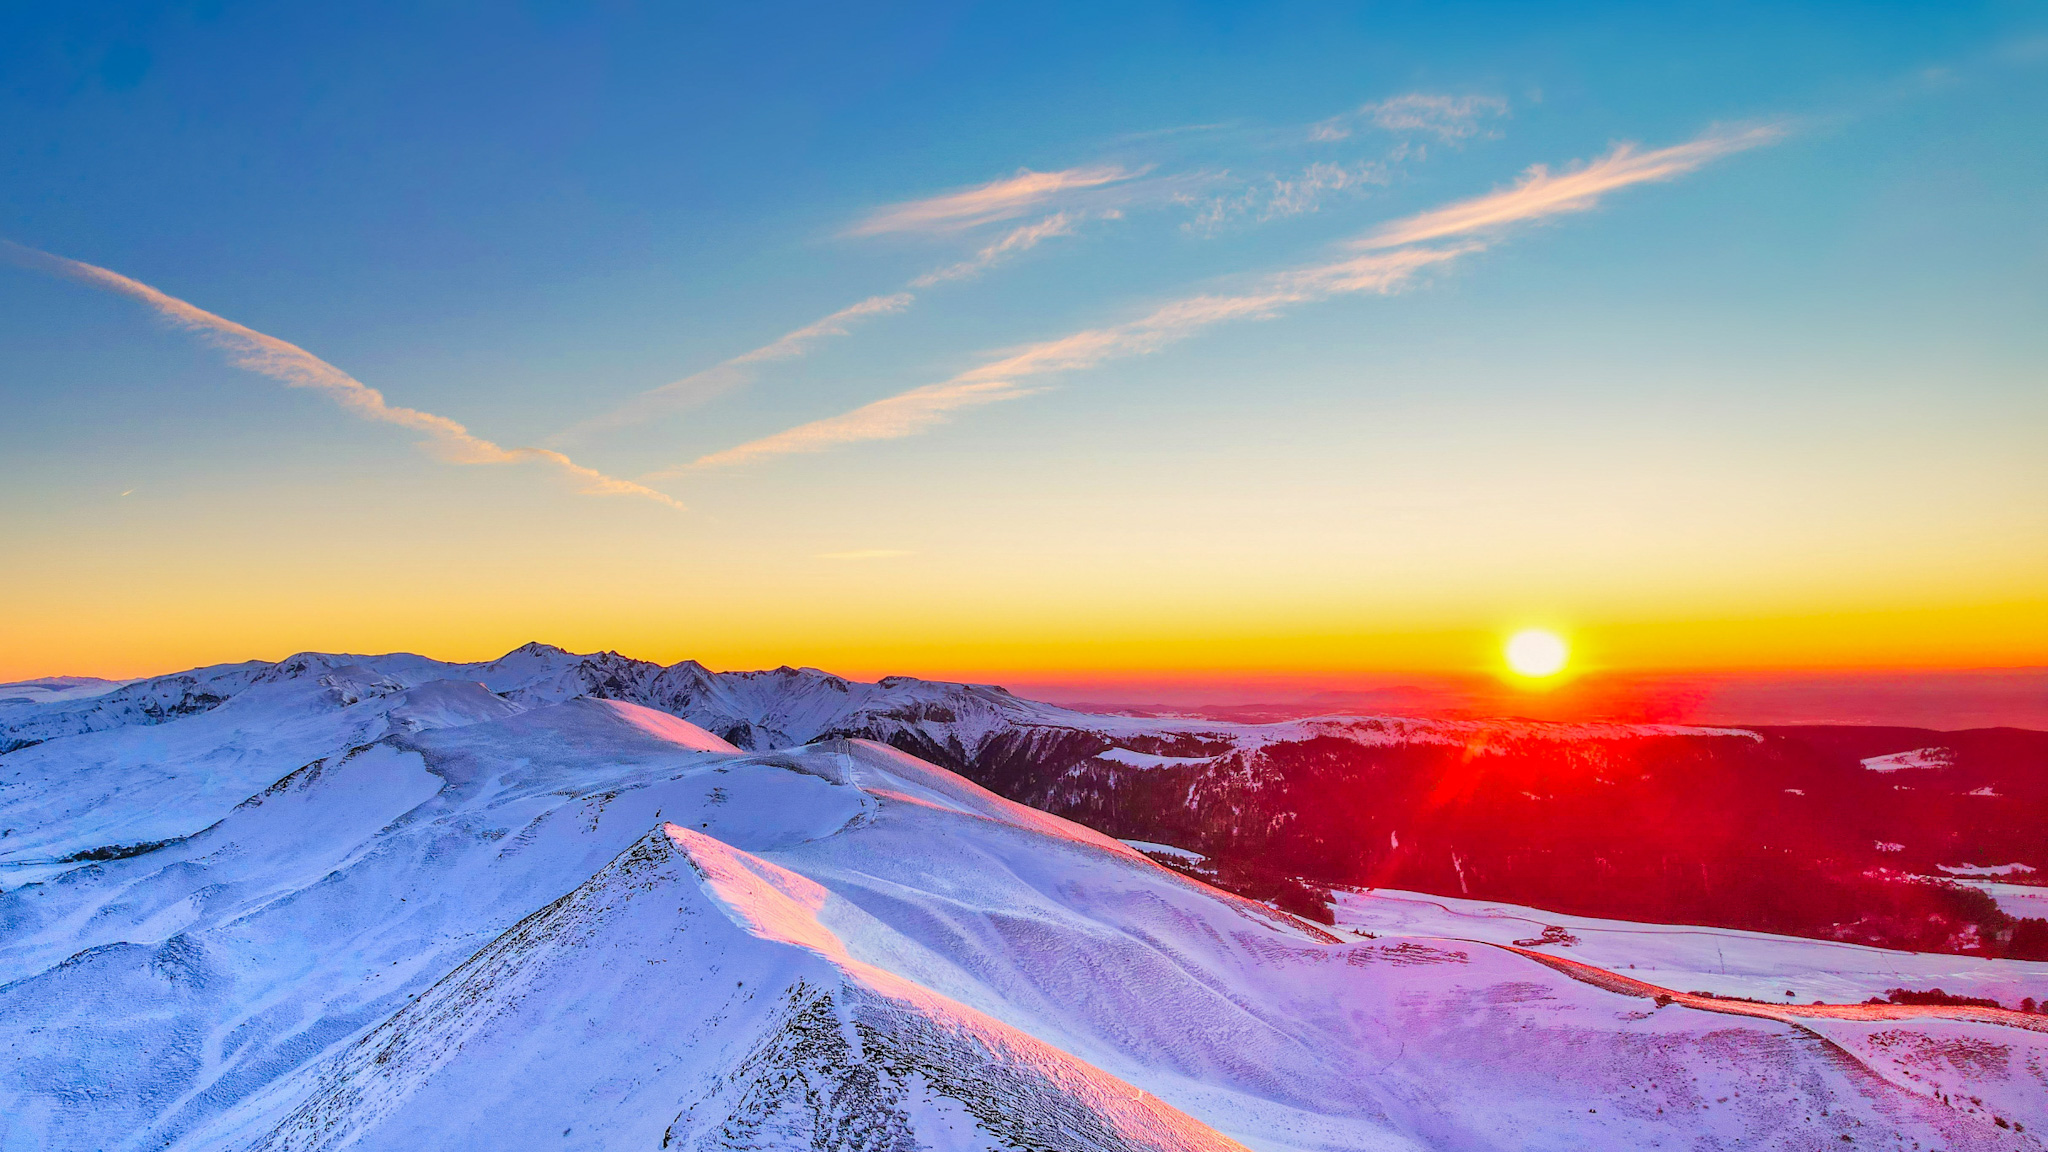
(1354, 380)
(111, 629)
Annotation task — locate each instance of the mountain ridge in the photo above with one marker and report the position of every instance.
(1795, 830)
(366, 868)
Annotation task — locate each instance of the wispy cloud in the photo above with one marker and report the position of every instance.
(904, 414)
(953, 212)
(1540, 193)
(1018, 239)
(1448, 118)
(998, 200)
(799, 342)
(295, 367)
(1305, 192)
(1388, 260)
(739, 371)
(1006, 378)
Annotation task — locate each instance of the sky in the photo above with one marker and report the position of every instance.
(1077, 343)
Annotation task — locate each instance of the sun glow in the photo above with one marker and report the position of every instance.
(1536, 653)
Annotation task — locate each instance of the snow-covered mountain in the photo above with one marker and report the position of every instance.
(1783, 830)
(345, 902)
(779, 708)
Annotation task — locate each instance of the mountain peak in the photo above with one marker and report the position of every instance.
(536, 648)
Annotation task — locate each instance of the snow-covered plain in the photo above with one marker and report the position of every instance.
(1916, 758)
(1984, 869)
(1722, 961)
(2020, 901)
(359, 902)
(55, 689)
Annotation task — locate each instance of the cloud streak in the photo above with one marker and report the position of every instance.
(904, 414)
(295, 367)
(984, 204)
(793, 344)
(1007, 378)
(954, 212)
(1021, 239)
(1388, 259)
(1539, 193)
(739, 371)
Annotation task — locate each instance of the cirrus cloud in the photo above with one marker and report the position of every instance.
(1004, 199)
(1389, 259)
(1020, 239)
(738, 371)
(1541, 193)
(1004, 378)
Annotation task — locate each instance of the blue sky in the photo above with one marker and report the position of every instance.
(1791, 374)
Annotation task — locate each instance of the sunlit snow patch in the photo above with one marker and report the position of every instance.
(2020, 901)
(1917, 758)
(664, 727)
(1151, 849)
(1985, 869)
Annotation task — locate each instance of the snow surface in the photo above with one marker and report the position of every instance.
(386, 903)
(1151, 849)
(1133, 759)
(1916, 758)
(1723, 961)
(1985, 869)
(2020, 901)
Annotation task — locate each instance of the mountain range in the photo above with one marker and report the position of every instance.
(583, 902)
(1804, 830)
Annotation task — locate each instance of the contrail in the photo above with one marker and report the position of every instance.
(738, 371)
(295, 367)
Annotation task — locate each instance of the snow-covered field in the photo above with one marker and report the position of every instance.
(55, 689)
(1981, 870)
(1722, 961)
(2020, 901)
(1916, 758)
(362, 904)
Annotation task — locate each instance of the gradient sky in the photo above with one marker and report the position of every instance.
(1003, 341)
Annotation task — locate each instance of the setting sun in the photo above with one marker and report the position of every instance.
(1536, 653)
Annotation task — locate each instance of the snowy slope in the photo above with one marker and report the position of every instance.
(2017, 900)
(477, 916)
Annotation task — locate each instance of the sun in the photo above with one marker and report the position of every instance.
(1536, 653)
